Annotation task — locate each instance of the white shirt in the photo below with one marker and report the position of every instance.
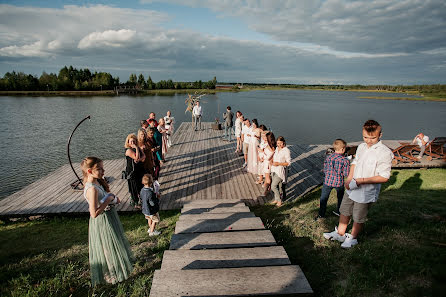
(370, 162)
(425, 138)
(283, 155)
(245, 131)
(197, 111)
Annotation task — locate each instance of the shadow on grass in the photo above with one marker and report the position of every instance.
(402, 250)
(50, 257)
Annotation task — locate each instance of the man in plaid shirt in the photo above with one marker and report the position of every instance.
(336, 166)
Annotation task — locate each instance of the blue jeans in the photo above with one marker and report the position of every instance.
(324, 198)
(228, 133)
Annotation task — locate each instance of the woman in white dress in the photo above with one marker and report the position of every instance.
(169, 122)
(268, 155)
(260, 156)
(252, 150)
(238, 130)
(162, 129)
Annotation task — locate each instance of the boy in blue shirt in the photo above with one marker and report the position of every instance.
(150, 204)
(336, 166)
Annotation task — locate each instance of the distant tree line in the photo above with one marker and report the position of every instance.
(425, 89)
(72, 79)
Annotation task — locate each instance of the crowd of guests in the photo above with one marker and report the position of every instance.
(265, 156)
(145, 153)
(357, 184)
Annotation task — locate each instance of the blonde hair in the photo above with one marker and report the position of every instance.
(142, 137)
(159, 121)
(90, 163)
(339, 144)
(127, 140)
(147, 179)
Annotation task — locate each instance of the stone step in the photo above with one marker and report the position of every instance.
(220, 240)
(224, 258)
(252, 281)
(215, 216)
(214, 202)
(200, 210)
(231, 223)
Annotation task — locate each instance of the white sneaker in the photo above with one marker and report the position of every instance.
(334, 235)
(154, 233)
(244, 165)
(349, 241)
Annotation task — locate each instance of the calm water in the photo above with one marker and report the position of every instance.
(34, 131)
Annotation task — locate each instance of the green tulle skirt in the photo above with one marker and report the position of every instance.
(109, 250)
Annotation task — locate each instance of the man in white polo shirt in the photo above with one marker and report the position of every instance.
(370, 168)
(246, 139)
(421, 140)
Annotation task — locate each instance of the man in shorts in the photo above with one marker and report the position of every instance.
(370, 168)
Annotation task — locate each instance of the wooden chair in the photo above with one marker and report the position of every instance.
(404, 154)
(435, 149)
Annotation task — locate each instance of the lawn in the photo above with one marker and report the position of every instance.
(402, 251)
(49, 257)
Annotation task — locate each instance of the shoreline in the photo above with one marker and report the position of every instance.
(167, 92)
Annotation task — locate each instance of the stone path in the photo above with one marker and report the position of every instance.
(221, 249)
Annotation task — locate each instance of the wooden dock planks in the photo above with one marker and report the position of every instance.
(200, 166)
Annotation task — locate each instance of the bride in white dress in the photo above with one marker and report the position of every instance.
(252, 150)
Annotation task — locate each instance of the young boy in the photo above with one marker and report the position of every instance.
(150, 204)
(336, 166)
(368, 171)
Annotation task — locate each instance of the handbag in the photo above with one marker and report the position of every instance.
(128, 175)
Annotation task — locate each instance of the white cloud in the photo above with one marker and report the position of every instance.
(27, 50)
(111, 38)
(363, 26)
(125, 41)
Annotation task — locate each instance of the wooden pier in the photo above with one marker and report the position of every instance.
(200, 166)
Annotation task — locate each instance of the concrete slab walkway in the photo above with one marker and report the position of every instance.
(221, 249)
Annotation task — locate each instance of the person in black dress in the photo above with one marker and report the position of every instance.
(135, 163)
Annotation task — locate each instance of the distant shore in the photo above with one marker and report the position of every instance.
(167, 92)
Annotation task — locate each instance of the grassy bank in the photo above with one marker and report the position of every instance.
(402, 251)
(405, 98)
(49, 257)
(170, 92)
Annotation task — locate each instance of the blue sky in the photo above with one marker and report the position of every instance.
(308, 41)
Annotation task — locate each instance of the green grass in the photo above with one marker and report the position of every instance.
(49, 257)
(401, 252)
(404, 98)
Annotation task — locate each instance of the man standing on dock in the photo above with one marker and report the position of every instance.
(197, 113)
(370, 168)
(228, 116)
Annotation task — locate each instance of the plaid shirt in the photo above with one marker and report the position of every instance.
(336, 166)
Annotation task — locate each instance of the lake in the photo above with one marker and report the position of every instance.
(34, 130)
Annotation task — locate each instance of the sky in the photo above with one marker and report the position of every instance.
(277, 41)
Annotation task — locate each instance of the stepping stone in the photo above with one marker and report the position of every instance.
(214, 202)
(229, 224)
(215, 216)
(224, 258)
(252, 281)
(219, 240)
(214, 210)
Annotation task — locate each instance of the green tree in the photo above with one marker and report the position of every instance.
(150, 84)
(141, 81)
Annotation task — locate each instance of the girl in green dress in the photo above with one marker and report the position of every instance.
(109, 250)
